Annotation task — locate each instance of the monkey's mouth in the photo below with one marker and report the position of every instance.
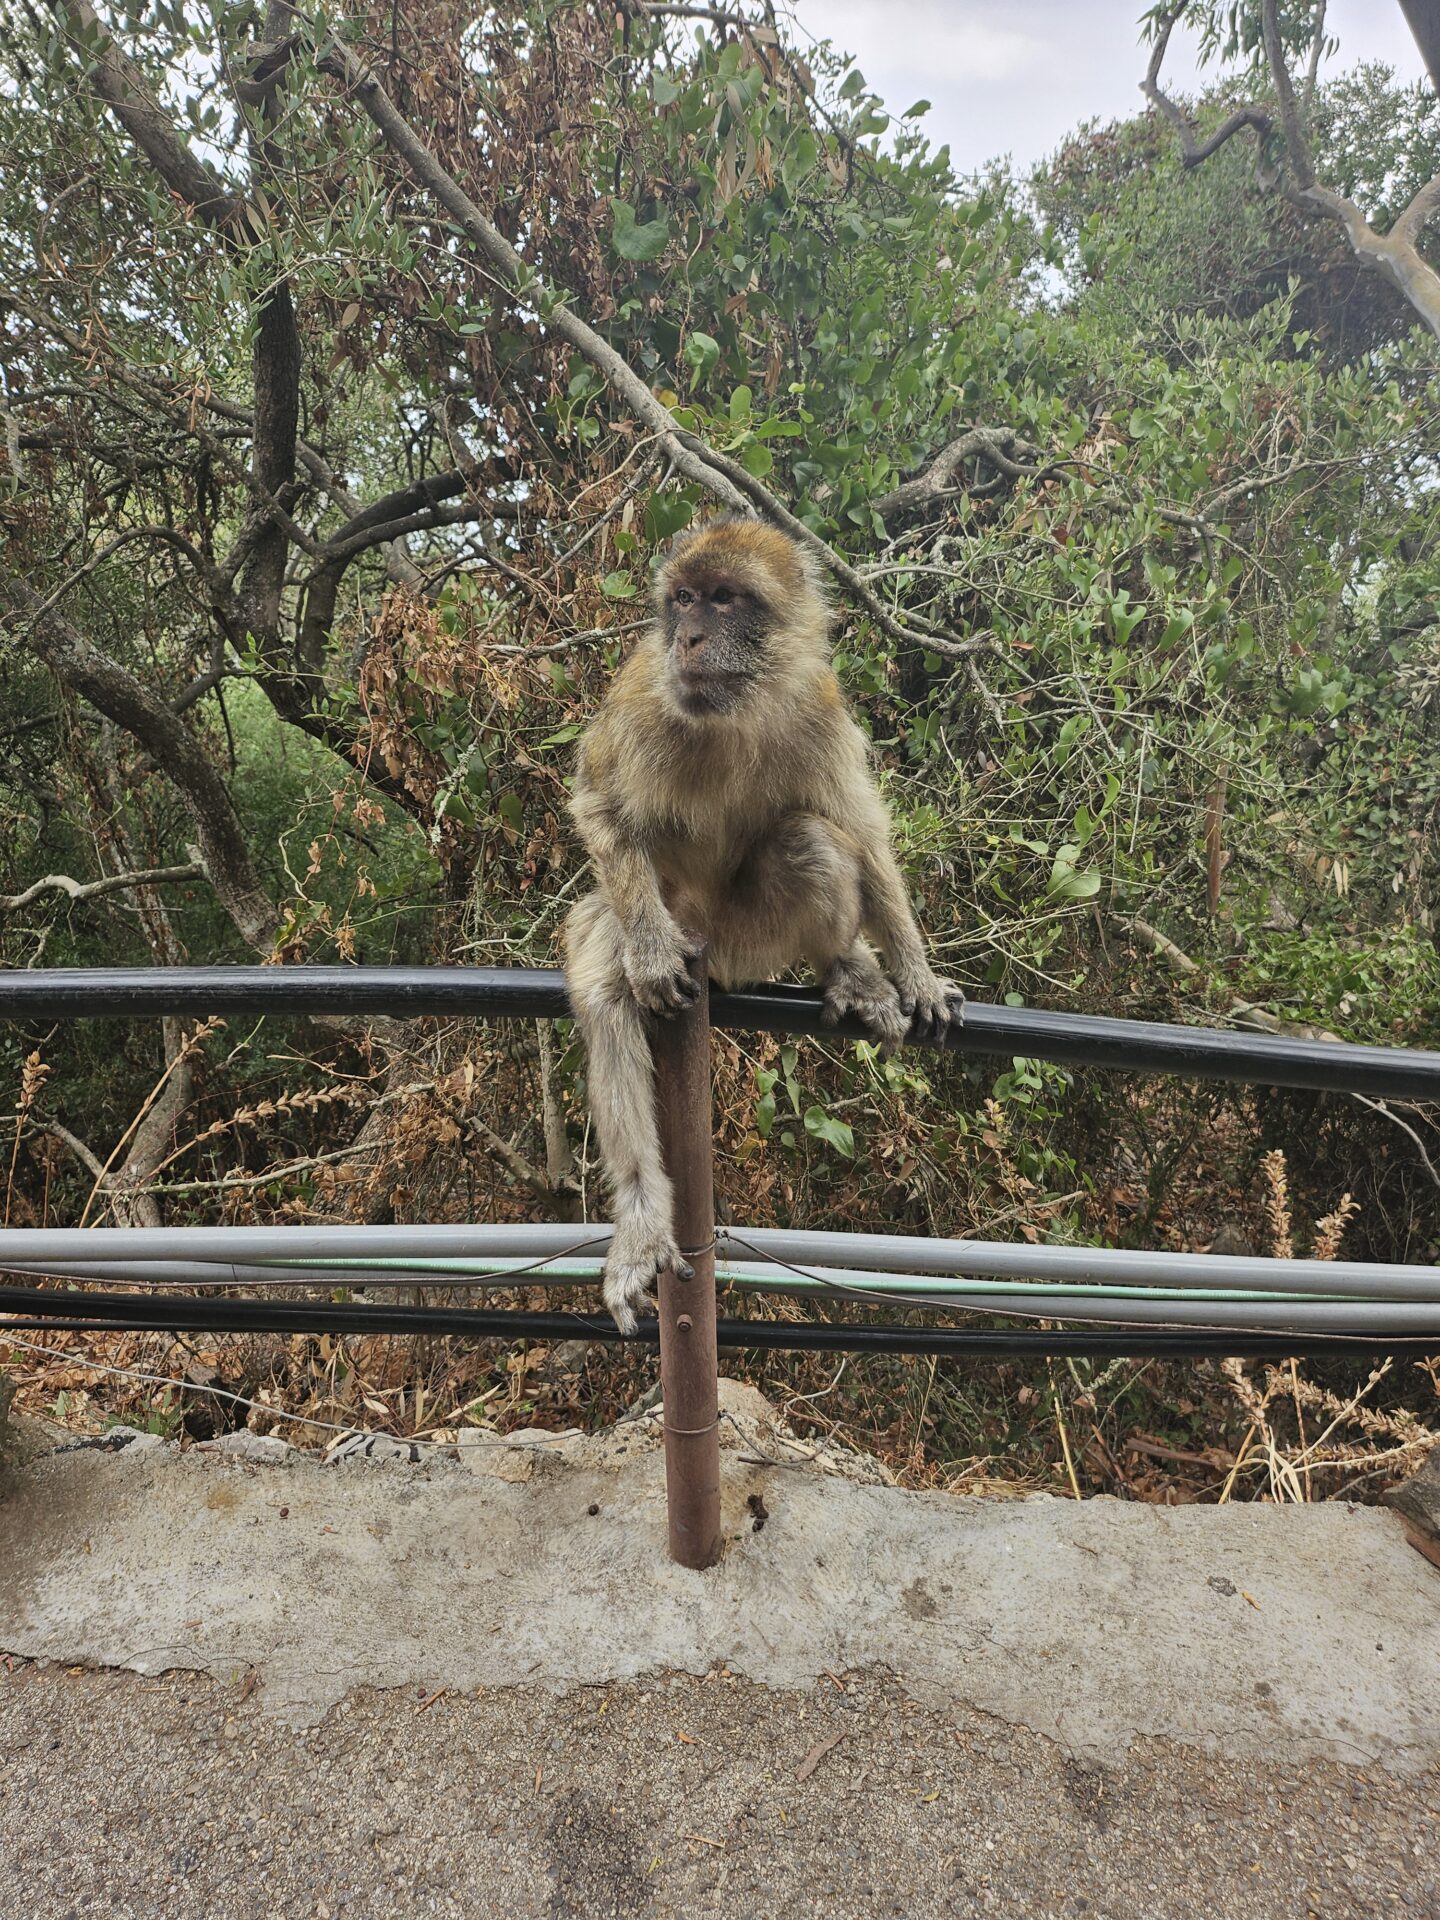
(710, 690)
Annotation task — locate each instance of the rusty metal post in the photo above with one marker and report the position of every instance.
(688, 1361)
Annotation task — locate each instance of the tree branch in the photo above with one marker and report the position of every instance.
(996, 446)
(1297, 147)
(89, 889)
(122, 87)
(89, 1159)
(723, 478)
(1193, 151)
(275, 365)
(80, 665)
(276, 358)
(517, 278)
(1424, 24)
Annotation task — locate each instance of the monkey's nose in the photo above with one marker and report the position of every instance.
(692, 641)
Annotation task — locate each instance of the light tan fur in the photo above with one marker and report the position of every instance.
(757, 830)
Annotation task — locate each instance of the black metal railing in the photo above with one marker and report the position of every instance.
(1070, 1039)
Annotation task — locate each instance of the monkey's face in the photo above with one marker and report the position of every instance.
(715, 628)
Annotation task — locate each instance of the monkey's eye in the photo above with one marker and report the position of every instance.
(684, 597)
(722, 596)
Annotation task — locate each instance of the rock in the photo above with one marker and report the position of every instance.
(260, 1449)
(568, 1356)
(21, 1439)
(1418, 1501)
(371, 1446)
(519, 1456)
(1233, 1241)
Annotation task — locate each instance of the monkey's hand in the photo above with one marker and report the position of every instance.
(639, 1253)
(930, 1005)
(657, 967)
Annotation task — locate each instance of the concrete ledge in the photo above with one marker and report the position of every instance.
(1244, 1630)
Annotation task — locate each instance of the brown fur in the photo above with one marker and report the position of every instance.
(757, 830)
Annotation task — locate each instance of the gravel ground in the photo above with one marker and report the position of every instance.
(142, 1799)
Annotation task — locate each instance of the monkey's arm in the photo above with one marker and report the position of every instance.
(655, 950)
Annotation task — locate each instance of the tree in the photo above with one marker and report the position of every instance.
(1272, 36)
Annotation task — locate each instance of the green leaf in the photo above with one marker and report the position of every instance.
(824, 1126)
(455, 807)
(702, 350)
(511, 811)
(633, 240)
(1067, 882)
(618, 586)
(667, 513)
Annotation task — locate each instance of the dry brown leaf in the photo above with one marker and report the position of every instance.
(817, 1753)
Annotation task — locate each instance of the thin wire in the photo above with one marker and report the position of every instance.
(358, 1274)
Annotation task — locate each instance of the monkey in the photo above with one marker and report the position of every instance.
(724, 794)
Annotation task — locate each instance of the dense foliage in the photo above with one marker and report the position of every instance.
(1128, 473)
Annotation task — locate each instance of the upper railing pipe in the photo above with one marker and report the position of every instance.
(1073, 1039)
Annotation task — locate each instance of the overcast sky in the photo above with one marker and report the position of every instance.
(1015, 78)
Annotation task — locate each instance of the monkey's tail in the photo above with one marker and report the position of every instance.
(621, 1077)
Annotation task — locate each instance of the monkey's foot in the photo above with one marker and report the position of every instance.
(639, 1254)
(658, 971)
(853, 986)
(930, 1004)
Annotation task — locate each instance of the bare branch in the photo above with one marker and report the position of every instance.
(664, 10)
(516, 277)
(998, 447)
(89, 1159)
(122, 87)
(205, 682)
(1317, 48)
(340, 550)
(1159, 943)
(276, 357)
(1384, 1107)
(1193, 151)
(80, 665)
(1297, 147)
(89, 889)
(167, 536)
(1424, 24)
(559, 1161)
(1421, 210)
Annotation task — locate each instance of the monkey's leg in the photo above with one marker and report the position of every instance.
(622, 1106)
(798, 894)
(929, 1002)
(854, 983)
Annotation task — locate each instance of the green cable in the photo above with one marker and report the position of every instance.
(771, 1279)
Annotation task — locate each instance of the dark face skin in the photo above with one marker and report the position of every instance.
(714, 640)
